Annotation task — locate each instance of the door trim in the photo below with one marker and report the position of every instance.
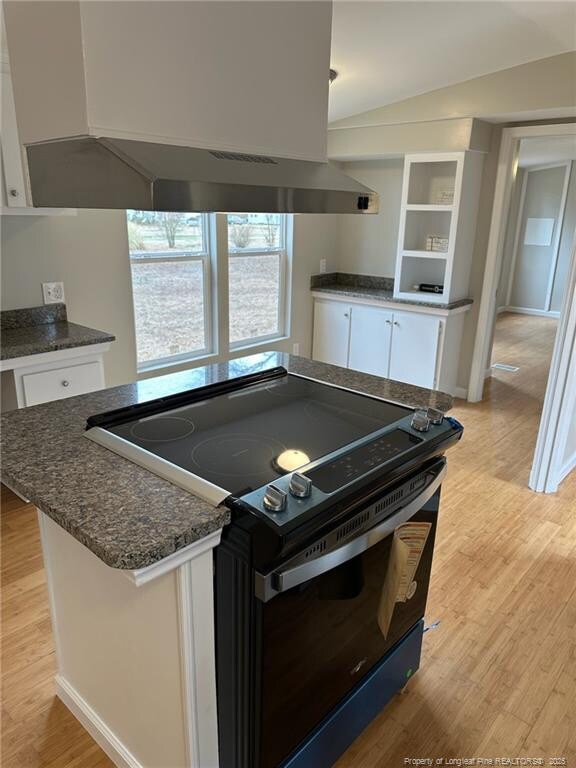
(547, 471)
(558, 235)
(507, 164)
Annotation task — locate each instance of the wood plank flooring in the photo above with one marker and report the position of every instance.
(498, 676)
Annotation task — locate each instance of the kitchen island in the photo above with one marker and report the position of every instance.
(128, 559)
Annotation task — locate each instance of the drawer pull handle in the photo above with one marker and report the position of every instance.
(65, 383)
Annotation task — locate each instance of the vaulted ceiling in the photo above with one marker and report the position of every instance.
(388, 51)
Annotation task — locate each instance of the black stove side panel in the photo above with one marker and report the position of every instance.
(238, 652)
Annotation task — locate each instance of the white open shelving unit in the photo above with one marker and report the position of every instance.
(439, 200)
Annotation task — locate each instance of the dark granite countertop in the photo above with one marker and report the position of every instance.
(374, 288)
(377, 294)
(126, 515)
(33, 330)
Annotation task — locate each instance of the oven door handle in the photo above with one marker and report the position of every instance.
(274, 583)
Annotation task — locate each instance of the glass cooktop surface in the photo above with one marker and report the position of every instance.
(242, 440)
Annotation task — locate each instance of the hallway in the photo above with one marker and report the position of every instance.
(498, 675)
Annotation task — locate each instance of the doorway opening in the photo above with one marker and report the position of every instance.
(525, 337)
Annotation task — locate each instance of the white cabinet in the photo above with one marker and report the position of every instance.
(43, 386)
(414, 352)
(331, 333)
(13, 187)
(370, 339)
(47, 376)
(14, 198)
(418, 346)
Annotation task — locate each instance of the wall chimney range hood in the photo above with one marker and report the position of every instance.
(100, 172)
(177, 106)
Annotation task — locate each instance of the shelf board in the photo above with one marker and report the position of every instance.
(430, 207)
(436, 298)
(426, 254)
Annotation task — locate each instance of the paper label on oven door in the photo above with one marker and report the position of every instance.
(408, 544)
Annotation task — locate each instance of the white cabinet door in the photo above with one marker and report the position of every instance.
(370, 336)
(55, 384)
(331, 332)
(14, 189)
(414, 348)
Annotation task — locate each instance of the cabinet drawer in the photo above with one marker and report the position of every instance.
(57, 383)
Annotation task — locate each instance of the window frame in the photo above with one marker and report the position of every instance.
(206, 258)
(283, 251)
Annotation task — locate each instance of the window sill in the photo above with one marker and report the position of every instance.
(256, 345)
(172, 366)
(175, 366)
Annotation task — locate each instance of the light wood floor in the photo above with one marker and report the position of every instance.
(498, 676)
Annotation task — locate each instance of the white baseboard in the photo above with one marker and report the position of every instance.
(97, 728)
(460, 392)
(528, 311)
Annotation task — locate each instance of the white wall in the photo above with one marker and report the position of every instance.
(367, 244)
(89, 253)
(564, 248)
(535, 264)
(315, 238)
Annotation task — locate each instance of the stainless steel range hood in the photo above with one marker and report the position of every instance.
(90, 172)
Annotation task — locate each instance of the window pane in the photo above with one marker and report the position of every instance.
(254, 231)
(169, 308)
(254, 285)
(156, 233)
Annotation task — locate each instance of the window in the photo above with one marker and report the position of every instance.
(257, 277)
(171, 285)
(175, 290)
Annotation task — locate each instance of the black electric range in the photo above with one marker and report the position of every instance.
(322, 576)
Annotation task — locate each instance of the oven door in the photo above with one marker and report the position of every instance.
(328, 621)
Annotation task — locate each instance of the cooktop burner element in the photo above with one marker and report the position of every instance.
(244, 453)
(290, 460)
(162, 429)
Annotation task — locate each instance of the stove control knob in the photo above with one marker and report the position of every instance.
(436, 417)
(300, 486)
(274, 499)
(420, 421)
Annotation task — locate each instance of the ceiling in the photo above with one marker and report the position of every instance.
(386, 51)
(547, 150)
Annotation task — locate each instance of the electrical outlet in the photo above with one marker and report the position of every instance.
(322, 266)
(53, 293)
(296, 349)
